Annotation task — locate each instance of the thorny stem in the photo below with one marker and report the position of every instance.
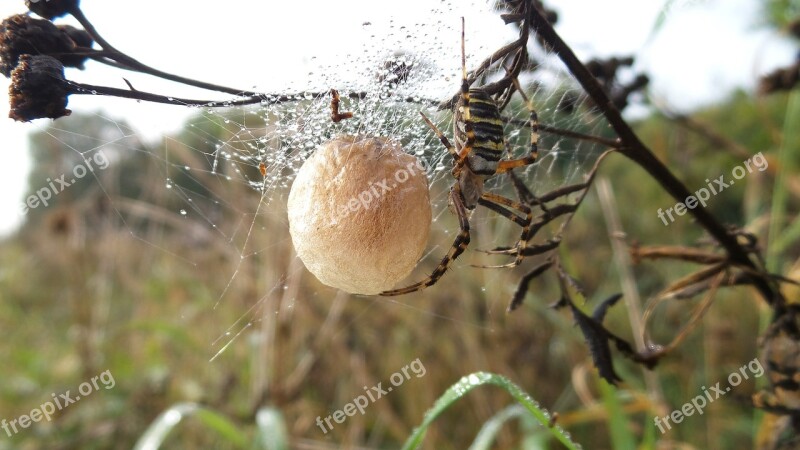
(634, 149)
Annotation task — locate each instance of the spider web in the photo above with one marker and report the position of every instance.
(212, 176)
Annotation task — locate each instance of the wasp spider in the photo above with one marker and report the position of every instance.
(478, 154)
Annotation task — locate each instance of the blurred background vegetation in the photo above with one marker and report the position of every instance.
(110, 277)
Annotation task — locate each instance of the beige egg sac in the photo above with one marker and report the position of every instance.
(360, 213)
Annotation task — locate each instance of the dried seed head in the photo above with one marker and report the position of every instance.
(550, 15)
(396, 69)
(50, 9)
(79, 36)
(80, 39)
(794, 28)
(781, 79)
(24, 35)
(38, 89)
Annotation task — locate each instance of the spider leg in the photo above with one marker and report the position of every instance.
(495, 203)
(549, 215)
(463, 110)
(459, 245)
(505, 166)
(441, 136)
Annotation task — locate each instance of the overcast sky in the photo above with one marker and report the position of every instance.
(705, 49)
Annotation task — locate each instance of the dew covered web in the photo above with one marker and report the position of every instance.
(212, 174)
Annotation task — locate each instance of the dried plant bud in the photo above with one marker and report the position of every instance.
(50, 9)
(568, 103)
(794, 28)
(38, 89)
(780, 79)
(24, 35)
(606, 70)
(396, 69)
(80, 39)
(550, 15)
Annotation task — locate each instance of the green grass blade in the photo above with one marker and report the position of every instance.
(791, 135)
(666, 10)
(621, 434)
(157, 432)
(489, 430)
(272, 433)
(472, 381)
(224, 427)
(661, 19)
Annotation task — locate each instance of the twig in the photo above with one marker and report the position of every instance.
(89, 89)
(130, 63)
(635, 150)
(613, 143)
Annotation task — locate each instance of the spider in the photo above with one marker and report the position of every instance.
(478, 152)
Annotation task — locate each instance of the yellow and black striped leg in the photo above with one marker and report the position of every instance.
(459, 245)
(505, 166)
(463, 114)
(495, 203)
(441, 136)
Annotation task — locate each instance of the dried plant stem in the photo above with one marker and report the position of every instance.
(130, 63)
(623, 260)
(613, 143)
(627, 278)
(634, 149)
(89, 89)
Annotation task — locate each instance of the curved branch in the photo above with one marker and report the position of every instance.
(635, 150)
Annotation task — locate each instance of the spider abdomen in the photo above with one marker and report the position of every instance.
(488, 145)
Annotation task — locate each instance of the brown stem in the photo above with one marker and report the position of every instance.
(613, 143)
(635, 150)
(130, 63)
(88, 89)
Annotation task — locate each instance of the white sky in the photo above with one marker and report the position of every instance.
(706, 48)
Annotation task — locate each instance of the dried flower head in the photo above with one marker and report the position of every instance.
(38, 89)
(396, 69)
(24, 35)
(81, 39)
(50, 9)
(794, 28)
(783, 79)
